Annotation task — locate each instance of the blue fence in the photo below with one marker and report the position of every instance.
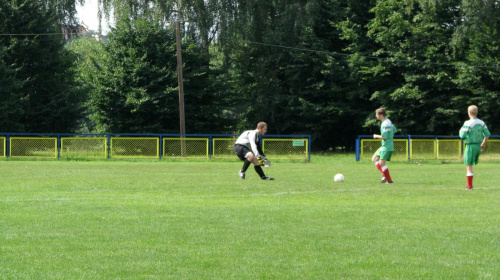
(57, 145)
(419, 147)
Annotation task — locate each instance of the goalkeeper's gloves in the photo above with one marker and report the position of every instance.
(263, 161)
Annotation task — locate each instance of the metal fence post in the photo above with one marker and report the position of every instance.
(358, 143)
(160, 156)
(7, 146)
(58, 146)
(210, 147)
(409, 148)
(109, 146)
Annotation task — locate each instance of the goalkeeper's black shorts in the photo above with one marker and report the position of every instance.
(241, 151)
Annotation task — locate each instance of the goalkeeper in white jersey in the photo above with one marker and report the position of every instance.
(475, 133)
(248, 149)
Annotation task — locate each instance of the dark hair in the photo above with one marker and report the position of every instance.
(380, 111)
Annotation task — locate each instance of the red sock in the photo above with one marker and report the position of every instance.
(469, 181)
(379, 167)
(387, 175)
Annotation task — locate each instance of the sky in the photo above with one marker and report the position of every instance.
(88, 15)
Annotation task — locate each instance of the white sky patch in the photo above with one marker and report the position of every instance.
(88, 15)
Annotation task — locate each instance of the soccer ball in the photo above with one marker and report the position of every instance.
(338, 178)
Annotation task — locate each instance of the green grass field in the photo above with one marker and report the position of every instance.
(199, 220)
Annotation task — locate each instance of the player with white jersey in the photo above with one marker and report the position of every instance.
(384, 153)
(476, 133)
(249, 150)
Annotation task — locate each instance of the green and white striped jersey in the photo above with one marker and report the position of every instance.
(474, 131)
(387, 130)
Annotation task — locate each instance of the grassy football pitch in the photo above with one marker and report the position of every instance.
(199, 220)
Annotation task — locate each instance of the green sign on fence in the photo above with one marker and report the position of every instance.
(298, 143)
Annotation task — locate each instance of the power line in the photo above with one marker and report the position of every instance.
(389, 59)
(40, 34)
(34, 34)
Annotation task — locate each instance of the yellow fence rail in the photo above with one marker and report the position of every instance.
(40, 147)
(84, 147)
(294, 148)
(101, 146)
(407, 148)
(423, 148)
(275, 148)
(135, 147)
(223, 147)
(186, 147)
(449, 149)
(3, 148)
(491, 150)
(370, 146)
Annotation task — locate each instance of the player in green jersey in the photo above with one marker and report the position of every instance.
(475, 133)
(384, 153)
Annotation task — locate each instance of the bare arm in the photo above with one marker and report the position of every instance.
(378, 136)
(484, 142)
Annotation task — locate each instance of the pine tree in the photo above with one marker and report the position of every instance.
(42, 95)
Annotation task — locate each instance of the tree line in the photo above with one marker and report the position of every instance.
(318, 67)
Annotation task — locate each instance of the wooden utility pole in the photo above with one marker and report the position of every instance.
(180, 78)
(181, 87)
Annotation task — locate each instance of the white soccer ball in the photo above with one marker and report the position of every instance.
(338, 178)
